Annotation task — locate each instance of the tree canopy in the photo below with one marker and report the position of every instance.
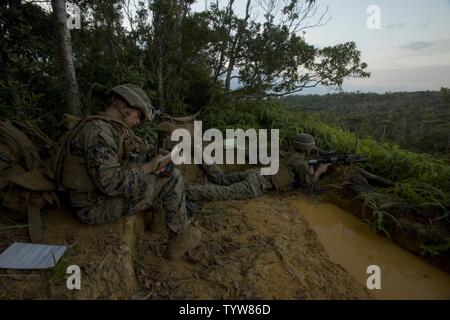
(183, 59)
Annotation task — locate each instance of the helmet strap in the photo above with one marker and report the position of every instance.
(123, 113)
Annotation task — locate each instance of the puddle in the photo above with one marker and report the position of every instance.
(354, 246)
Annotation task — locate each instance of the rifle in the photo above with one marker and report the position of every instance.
(337, 159)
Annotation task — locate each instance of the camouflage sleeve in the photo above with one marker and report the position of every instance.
(151, 151)
(302, 174)
(100, 150)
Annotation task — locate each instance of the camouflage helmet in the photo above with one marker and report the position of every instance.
(136, 98)
(303, 142)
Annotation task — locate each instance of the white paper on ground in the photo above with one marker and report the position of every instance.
(31, 256)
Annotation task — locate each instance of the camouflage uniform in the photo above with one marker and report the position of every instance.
(236, 185)
(294, 172)
(122, 188)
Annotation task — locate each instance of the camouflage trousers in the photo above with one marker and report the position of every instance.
(166, 191)
(235, 185)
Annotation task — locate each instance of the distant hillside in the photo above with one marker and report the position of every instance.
(418, 121)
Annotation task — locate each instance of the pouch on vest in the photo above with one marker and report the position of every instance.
(75, 174)
(168, 124)
(69, 171)
(283, 181)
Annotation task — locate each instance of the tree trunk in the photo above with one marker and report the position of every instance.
(175, 64)
(4, 61)
(4, 69)
(223, 53)
(71, 95)
(236, 47)
(158, 29)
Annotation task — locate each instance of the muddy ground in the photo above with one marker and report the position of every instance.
(253, 249)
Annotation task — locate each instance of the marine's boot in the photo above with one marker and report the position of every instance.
(183, 242)
(158, 231)
(157, 222)
(193, 208)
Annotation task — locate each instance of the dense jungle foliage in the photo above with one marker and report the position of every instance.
(417, 121)
(422, 182)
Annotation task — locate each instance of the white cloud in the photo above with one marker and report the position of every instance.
(395, 25)
(418, 45)
(413, 79)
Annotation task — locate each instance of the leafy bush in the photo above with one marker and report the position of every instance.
(421, 179)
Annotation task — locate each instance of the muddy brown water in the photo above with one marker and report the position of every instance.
(353, 245)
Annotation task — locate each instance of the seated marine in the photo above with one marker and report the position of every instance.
(110, 174)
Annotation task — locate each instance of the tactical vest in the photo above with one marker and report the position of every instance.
(284, 179)
(69, 171)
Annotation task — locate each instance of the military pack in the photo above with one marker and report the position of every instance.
(24, 185)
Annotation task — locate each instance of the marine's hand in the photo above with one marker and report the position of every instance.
(321, 169)
(152, 165)
(164, 152)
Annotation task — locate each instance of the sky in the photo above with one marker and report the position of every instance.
(409, 52)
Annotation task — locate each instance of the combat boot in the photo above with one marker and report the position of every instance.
(183, 242)
(157, 221)
(158, 232)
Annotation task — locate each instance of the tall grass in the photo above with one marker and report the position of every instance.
(420, 179)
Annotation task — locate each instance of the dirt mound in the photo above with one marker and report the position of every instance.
(103, 253)
(257, 249)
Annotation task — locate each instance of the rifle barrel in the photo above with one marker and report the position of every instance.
(338, 159)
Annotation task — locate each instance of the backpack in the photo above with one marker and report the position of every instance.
(24, 185)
